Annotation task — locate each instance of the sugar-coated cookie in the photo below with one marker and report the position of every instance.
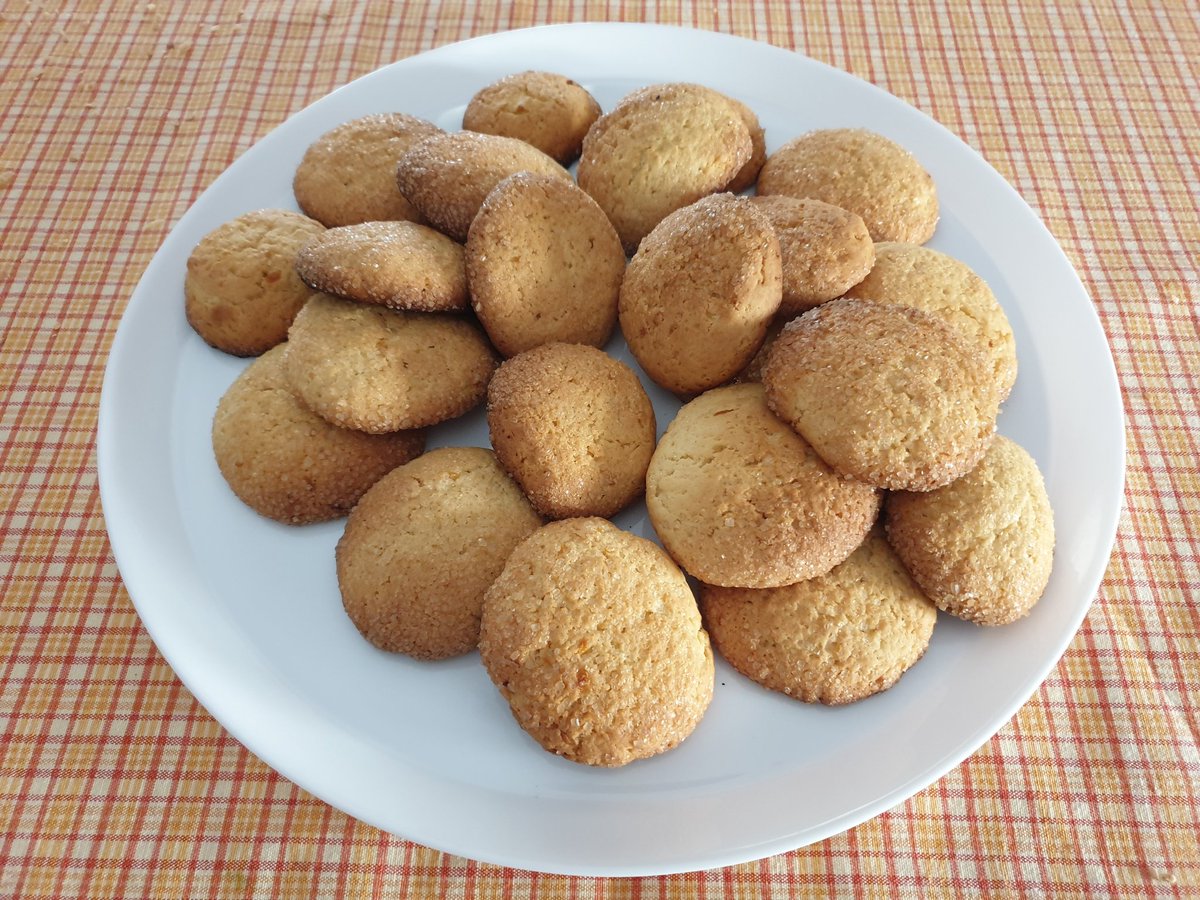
(593, 637)
(981, 547)
(242, 291)
(574, 427)
(289, 464)
(544, 109)
(748, 173)
(423, 545)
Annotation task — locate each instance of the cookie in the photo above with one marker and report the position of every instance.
(593, 637)
(826, 250)
(886, 394)
(700, 292)
(574, 427)
(448, 176)
(380, 370)
(860, 171)
(397, 264)
(348, 175)
(549, 111)
(752, 373)
(932, 281)
(241, 291)
(661, 149)
(982, 547)
(833, 639)
(423, 545)
(741, 500)
(289, 464)
(544, 264)
(747, 175)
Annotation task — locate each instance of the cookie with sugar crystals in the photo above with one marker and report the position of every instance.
(747, 175)
(547, 110)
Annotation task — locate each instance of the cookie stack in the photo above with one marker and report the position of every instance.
(831, 481)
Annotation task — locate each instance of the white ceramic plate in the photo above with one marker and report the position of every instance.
(248, 612)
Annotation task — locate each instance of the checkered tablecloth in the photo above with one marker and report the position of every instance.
(114, 782)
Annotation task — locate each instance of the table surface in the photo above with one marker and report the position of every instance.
(115, 782)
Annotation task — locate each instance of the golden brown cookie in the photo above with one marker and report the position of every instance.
(242, 291)
(544, 264)
(833, 639)
(748, 173)
(887, 394)
(740, 500)
(422, 547)
(288, 464)
(397, 264)
(348, 175)
(380, 370)
(826, 250)
(932, 281)
(698, 296)
(593, 637)
(753, 370)
(982, 547)
(448, 176)
(550, 111)
(574, 427)
(661, 149)
(863, 172)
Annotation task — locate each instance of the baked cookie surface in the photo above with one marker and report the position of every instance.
(593, 637)
(573, 427)
(747, 175)
(833, 639)
(289, 464)
(241, 291)
(423, 545)
(547, 110)
(982, 547)
(741, 500)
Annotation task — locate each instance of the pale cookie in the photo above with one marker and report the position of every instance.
(698, 296)
(242, 291)
(574, 427)
(887, 394)
(860, 171)
(381, 370)
(549, 111)
(747, 175)
(826, 250)
(753, 370)
(932, 281)
(661, 149)
(982, 547)
(741, 500)
(397, 264)
(448, 176)
(834, 639)
(348, 175)
(593, 637)
(289, 464)
(423, 545)
(543, 264)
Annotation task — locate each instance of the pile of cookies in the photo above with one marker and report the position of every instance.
(832, 480)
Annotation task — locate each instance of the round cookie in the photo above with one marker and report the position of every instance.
(593, 637)
(380, 370)
(982, 547)
(860, 171)
(348, 175)
(748, 173)
(402, 265)
(289, 464)
(700, 292)
(574, 427)
(423, 545)
(549, 111)
(834, 639)
(662, 148)
(741, 500)
(241, 291)
(448, 176)
(544, 264)
(753, 370)
(826, 250)
(926, 279)
(887, 394)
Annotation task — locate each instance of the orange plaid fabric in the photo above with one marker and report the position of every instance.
(114, 782)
